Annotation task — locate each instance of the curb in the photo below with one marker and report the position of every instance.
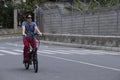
(2, 38)
(82, 46)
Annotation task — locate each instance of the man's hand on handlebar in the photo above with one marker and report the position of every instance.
(40, 33)
(24, 34)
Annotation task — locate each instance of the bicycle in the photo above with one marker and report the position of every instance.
(32, 56)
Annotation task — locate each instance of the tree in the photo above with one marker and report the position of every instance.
(78, 4)
(103, 3)
(25, 7)
(6, 15)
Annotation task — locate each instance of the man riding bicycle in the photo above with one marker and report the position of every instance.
(28, 29)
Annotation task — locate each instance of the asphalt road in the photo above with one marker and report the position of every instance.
(58, 63)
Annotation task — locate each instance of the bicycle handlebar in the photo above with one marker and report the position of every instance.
(36, 36)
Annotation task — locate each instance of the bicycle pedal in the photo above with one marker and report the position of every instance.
(24, 61)
(30, 62)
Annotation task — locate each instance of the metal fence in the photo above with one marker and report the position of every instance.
(100, 21)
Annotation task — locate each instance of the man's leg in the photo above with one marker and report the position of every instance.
(26, 45)
(34, 45)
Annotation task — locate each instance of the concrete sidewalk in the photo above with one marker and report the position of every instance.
(9, 36)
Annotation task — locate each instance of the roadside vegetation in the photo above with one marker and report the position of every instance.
(6, 14)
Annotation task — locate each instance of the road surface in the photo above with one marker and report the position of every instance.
(58, 63)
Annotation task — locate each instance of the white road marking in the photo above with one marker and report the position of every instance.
(55, 51)
(46, 52)
(16, 45)
(71, 51)
(10, 52)
(81, 52)
(2, 54)
(101, 52)
(64, 51)
(17, 50)
(81, 62)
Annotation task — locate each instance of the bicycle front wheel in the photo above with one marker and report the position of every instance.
(35, 63)
(26, 65)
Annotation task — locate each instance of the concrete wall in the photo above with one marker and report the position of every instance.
(10, 31)
(86, 41)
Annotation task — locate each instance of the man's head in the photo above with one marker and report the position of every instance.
(29, 18)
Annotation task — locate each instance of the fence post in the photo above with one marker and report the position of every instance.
(61, 24)
(98, 16)
(71, 30)
(84, 18)
(118, 17)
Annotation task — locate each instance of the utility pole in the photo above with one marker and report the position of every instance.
(15, 16)
(15, 26)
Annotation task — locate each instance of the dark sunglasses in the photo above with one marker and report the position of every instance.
(29, 18)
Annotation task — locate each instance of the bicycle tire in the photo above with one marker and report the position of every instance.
(26, 65)
(35, 63)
